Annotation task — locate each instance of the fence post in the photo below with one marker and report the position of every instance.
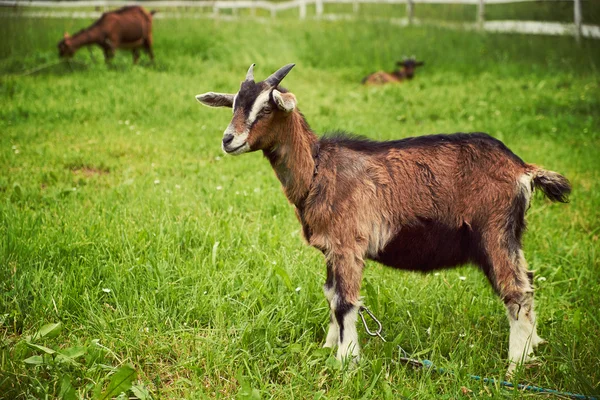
(319, 7)
(355, 6)
(302, 9)
(410, 11)
(481, 14)
(253, 9)
(577, 15)
(215, 11)
(273, 11)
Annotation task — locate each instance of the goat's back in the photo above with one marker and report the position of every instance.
(451, 178)
(129, 24)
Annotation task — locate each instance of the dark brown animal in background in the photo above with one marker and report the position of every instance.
(405, 72)
(126, 28)
(420, 203)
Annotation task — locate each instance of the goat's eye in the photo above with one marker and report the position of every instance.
(267, 110)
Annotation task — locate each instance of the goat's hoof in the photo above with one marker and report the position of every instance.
(511, 370)
(530, 361)
(537, 341)
(533, 362)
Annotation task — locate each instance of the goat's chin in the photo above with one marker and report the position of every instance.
(236, 151)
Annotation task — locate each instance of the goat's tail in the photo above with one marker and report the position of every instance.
(555, 186)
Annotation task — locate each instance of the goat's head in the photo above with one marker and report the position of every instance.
(65, 47)
(408, 66)
(255, 107)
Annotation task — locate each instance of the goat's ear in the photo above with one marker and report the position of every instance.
(285, 101)
(213, 99)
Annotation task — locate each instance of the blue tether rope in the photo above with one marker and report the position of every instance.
(428, 364)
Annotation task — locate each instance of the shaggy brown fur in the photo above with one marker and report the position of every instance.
(126, 28)
(405, 72)
(420, 203)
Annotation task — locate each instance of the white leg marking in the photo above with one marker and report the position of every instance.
(333, 334)
(349, 346)
(522, 330)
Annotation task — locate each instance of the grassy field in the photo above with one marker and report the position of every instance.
(182, 273)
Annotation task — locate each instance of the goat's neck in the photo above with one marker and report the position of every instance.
(86, 37)
(292, 157)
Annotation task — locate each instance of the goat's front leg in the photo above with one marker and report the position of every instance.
(344, 274)
(333, 334)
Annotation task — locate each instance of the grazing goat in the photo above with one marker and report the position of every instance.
(418, 204)
(406, 71)
(126, 28)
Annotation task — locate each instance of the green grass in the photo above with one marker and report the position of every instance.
(121, 218)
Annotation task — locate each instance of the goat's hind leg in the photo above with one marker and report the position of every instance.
(512, 281)
(136, 55)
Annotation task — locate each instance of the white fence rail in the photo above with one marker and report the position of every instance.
(577, 28)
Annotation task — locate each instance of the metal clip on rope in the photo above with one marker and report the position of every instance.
(379, 326)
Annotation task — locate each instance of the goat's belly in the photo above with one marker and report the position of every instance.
(426, 247)
(131, 44)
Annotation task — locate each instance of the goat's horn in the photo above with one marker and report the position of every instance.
(278, 76)
(250, 73)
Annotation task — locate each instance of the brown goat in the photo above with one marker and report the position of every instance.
(405, 72)
(419, 203)
(126, 28)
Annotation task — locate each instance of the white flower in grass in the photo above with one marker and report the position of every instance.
(462, 278)
(217, 158)
(219, 187)
(298, 289)
(462, 334)
(428, 331)
(436, 274)
(106, 290)
(156, 181)
(177, 186)
(126, 122)
(541, 278)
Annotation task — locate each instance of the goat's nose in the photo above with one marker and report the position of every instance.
(227, 139)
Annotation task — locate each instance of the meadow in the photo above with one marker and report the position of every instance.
(136, 256)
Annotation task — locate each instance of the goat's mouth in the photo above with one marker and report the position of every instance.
(244, 147)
